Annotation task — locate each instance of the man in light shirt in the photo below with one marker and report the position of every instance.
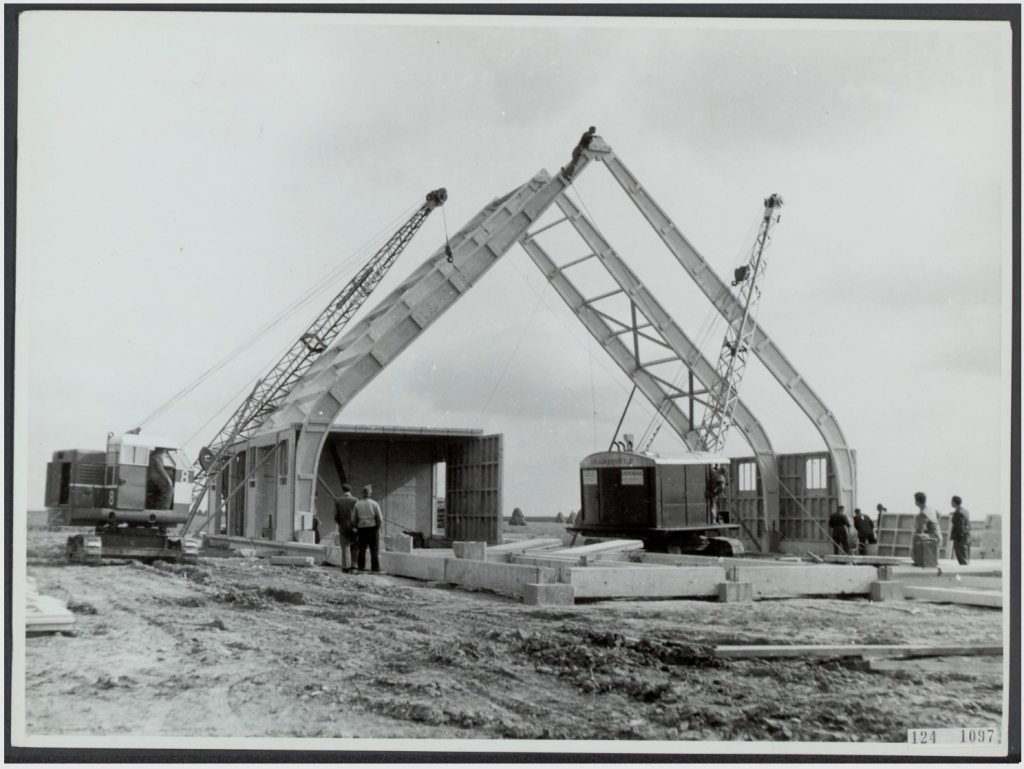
(368, 522)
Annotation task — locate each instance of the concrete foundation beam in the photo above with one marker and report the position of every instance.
(291, 560)
(399, 543)
(886, 591)
(729, 592)
(548, 595)
(473, 551)
(561, 566)
(505, 578)
(647, 582)
(414, 566)
(820, 579)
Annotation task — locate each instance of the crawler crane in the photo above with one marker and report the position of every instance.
(118, 492)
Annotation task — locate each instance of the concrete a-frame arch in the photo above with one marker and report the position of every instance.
(363, 352)
(725, 302)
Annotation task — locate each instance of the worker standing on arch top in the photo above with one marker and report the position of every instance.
(577, 151)
(368, 522)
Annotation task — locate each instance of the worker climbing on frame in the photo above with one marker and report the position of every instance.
(717, 485)
(577, 152)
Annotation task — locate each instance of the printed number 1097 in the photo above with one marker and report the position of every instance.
(952, 736)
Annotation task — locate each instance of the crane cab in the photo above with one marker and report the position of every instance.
(668, 502)
(90, 488)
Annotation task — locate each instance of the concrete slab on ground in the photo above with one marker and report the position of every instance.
(644, 582)
(819, 579)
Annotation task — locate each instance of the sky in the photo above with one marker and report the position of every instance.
(183, 177)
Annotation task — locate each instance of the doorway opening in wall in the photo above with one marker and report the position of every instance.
(440, 476)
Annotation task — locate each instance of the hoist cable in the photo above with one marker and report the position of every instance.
(334, 276)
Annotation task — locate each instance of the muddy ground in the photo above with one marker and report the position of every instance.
(236, 647)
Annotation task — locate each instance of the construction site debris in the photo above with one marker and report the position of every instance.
(355, 656)
(854, 650)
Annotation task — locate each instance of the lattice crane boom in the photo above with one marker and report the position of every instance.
(739, 335)
(270, 391)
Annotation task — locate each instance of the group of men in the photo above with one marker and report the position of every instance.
(359, 522)
(845, 537)
(926, 524)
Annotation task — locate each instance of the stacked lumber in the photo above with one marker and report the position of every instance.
(44, 613)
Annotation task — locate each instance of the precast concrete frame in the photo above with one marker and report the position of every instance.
(659, 327)
(364, 351)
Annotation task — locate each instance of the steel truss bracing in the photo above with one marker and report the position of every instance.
(732, 359)
(657, 327)
(728, 306)
(270, 391)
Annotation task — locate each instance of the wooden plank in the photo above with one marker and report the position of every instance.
(952, 581)
(990, 598)
(668, 559)
(291, 560)
(867, 560)
(523, 545)
(853, 650)
(611, 546)
(818, 579)
(647, 582)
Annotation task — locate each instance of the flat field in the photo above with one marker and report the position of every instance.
(236, 647)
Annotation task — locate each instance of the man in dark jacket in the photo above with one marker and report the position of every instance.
(838, 524)
(345, 518)
(159, 483)
(960, 532)
(865, 528)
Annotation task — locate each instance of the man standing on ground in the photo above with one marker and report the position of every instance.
(838, 524)
(960, 533)
(368, 521)
(865, 531)
(345, 518)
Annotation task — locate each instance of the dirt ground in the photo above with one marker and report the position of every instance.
(236, 647)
